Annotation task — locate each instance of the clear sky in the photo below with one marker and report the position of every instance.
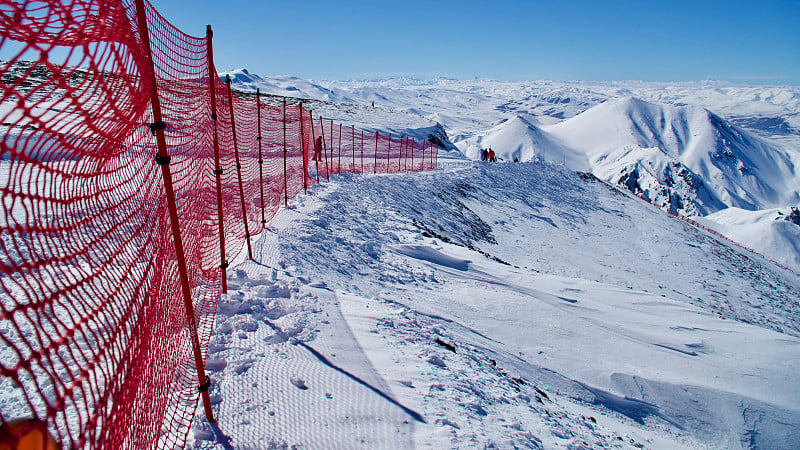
(743, 41)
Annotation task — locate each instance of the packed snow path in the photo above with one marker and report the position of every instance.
(497, 306)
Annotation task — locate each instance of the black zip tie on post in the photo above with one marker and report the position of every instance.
(162, 160)
(204, 387)
(214, 117)
(155, 126)
(224, 265)
(218, 172)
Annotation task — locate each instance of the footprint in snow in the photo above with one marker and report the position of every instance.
(299, 383)
(436, 361)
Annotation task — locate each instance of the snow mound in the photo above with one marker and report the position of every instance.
(520, 139)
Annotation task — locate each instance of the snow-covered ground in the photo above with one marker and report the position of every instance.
(498, 306)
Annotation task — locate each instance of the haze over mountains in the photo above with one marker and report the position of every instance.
(695, 148)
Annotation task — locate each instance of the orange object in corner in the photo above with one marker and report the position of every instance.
(26, 434)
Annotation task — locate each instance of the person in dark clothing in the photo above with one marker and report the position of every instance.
(484, 154)
(318, 149)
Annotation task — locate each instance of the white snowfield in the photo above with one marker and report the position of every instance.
(500, 306)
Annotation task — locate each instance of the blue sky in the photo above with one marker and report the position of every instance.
(755, 42)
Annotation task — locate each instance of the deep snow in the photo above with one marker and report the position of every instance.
(496, 306)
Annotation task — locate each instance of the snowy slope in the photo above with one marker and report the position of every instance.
(773, 232)
(498, 306)
(723, 165)
(686, 158)
(522, 139)
(347, 110)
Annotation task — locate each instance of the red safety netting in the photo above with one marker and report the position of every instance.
(94, 330)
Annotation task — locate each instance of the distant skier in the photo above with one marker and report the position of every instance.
(492, 155)
(318, 149)
(484, 154)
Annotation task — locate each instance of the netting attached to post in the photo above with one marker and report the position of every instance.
(94, 337)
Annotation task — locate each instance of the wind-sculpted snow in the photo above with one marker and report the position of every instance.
(497, 306)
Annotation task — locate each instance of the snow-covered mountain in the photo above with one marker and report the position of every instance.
(685, 158)
(696, 148)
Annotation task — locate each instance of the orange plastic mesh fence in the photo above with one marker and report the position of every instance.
(93, 327)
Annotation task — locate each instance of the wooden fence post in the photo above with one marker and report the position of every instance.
(239, 169)
(163, 159)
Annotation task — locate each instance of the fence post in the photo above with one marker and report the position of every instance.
(362, 151)
(389, 154)
(353, 146)
(400, 159)
(339, 161)
(303, 149)
(427, 146)
(317, 152)
(325, 149)
(405, 154)
(375, 167)
(285, 151)
(163, 159)
(212, 76)
(331, 144)
(435, 154)
(260, 159)
(238, 168)
(413, 147)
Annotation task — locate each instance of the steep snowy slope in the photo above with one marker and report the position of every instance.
(498, 306)
(688, 150)
(774, 232)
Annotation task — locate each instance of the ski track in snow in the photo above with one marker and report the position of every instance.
(499, 306)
